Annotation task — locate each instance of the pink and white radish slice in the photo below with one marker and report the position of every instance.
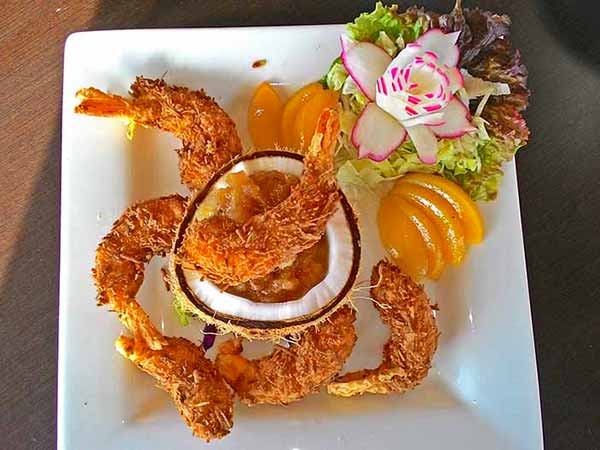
(442, 44)
(376, 134)
(364, 62)
(456, 120)
(416, 90)
(425, 143)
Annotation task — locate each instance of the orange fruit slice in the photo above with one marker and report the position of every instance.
(308, 115)
(290, 111)
(434, 243)
(441, 213)
(467, 209)
(264, 116)
(402, 239)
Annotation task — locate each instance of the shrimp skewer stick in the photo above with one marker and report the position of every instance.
(200, 393)
(229, 253)
(208, 134)
(404, 307)
(289, 374)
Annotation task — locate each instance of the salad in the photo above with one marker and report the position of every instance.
(486, 76)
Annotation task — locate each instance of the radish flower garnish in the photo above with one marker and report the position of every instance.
(412, 94)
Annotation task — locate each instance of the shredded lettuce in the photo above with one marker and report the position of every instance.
(183, 314)
(470, 161)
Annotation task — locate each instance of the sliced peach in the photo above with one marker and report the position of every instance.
(402, 239)
(264, 117)
(290, 111)
(467, 209)
(434, 243)
(308, 115)
(442, 213)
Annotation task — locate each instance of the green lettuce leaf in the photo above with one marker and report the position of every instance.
(483, 183)
(407, 26)
(183, 314)
(384, 41)
(335, 76)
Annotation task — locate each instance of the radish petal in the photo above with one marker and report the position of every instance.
(456, 79)
(431, 119)
(376, 134)
(365, 62)
(425, 143)
(347, 42)
(407, 56)
(457, 121)
(442, 44)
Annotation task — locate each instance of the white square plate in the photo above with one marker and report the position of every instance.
(482, 391)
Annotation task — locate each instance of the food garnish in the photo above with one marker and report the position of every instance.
(294, 127)
(402, 238)
(443, 214)
(452, 82)
(295, 103)
(467, 209)
(417, 88)
(265, 110)
(308, 115)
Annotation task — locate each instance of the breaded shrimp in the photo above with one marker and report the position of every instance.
(229, 253)
(204, 401)
(404, 307)
(200, 393)
(208, 134)
(289, 374)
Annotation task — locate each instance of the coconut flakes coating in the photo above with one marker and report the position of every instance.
(404, 308)
(229, 253)
(208, 134)
(289, 374)
(179, 367)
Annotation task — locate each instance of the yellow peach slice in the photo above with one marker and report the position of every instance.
(442, 213)
(264, 117)
(402, 239)
(290, 111)
(467, 209)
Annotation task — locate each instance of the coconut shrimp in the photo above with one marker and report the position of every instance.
(230, 253)
(208, 134)
(404, 307)
(289, 374)
(200, 393)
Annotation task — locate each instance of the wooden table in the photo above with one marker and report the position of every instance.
(559, 174)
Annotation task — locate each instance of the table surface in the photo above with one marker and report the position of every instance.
(558, 175)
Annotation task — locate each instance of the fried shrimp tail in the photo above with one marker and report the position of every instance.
(230, 253)
(404, 308)
(191, 380)
(208, 134)
(289, 374)
(200, 393)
